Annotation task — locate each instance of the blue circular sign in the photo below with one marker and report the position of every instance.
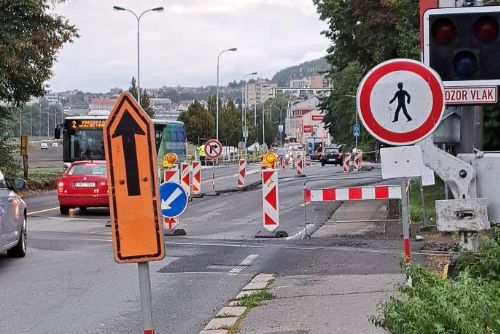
(173, 199)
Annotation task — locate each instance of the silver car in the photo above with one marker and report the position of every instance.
(12, 218)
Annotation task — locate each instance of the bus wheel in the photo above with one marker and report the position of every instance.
(64, 209)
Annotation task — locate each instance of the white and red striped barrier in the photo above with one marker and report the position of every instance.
(308, 160)
(186, 177)
(242, 170)
(299, 165)
(352, 193)
(357, 161)
(196, 168)
(171, 175)
(270, 201)
(347, 162)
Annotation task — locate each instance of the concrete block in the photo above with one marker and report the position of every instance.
(235, 311)
(262, 278)
(255, 286)
(221, 323)
(246, 293)
(234, 303)
(214, 331)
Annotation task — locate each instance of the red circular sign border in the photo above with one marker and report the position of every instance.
(366, 88)
(218, 144)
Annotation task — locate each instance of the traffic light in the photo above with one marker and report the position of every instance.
(463, 45)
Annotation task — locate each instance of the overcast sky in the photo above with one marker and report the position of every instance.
(179, 47)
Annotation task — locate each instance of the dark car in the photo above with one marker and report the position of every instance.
(84, 184)
(331, 155)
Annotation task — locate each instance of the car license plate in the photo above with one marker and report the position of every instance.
(84, 184)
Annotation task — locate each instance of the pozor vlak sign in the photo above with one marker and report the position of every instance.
(400, 101)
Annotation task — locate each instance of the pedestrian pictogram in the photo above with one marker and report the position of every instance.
(213, 149)
(419, 93)
(173, 199)
(132, 174)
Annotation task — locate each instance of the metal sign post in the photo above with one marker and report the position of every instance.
(213, 149)
(406, 221)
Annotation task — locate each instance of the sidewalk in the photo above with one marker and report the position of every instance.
(333, 304)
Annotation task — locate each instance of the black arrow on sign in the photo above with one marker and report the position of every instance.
(127, 128)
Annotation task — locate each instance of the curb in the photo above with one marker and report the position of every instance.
(229, 316)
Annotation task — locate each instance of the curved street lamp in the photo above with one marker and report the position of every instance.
(217, 94)
(138, 17)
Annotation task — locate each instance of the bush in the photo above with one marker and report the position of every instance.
(432, 305)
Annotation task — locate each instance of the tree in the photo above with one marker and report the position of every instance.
(30, 40)
(198, 121)
(363, 33)
(145, 101)
(230, 124)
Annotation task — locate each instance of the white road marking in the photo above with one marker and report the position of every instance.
(245, 263)
(165, 205)
(41, 211)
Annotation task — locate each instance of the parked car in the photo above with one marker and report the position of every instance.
(331, 155)
(55, 144)
(44, 146)
(12, 218)
(84, 184)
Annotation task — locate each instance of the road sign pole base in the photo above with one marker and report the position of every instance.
(174, 232)
(268, 235)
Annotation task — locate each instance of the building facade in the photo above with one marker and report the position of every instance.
(259, 91)
(304, 120)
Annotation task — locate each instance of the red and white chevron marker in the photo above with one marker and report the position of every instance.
(300, 164)
(357, 161)
(171, 175)
(308, 160)
(186, 177)
(352, 193)
(242, 170)
(347, 162)
(196, 168)
(270, 201)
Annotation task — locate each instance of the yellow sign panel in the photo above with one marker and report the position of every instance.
(24, 144)
(134, 205)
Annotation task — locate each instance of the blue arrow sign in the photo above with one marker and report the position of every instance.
(173, 199)
(356, 130)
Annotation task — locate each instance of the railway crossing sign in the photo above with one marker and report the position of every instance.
(213, 149)
(132, 174)
(174, 199)
(401, 101)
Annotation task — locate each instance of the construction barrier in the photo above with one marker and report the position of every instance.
(241, 173)
(357, 161)
(308, 160)
(347, 162)
(196, 169)
(270, 206)
(299, 165)
(171, 175)
(186, 177)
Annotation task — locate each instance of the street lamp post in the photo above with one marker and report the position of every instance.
(217, 94)
(138, 17)
(244, 109)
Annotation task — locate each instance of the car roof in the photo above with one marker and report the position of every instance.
(85, 162)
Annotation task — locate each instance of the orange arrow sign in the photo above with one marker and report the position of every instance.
(131, 159)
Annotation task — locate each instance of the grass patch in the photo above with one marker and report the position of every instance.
(255, 299)
(431, 194)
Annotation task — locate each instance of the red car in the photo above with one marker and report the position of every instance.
(84, 184)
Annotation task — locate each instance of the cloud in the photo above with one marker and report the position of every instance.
(180, 45)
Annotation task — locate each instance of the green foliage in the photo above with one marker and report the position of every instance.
(433, 305)
(486, 264)
(431, 195)
(255, 299)
(363, 33)
(199, 123)
(31, 38)
(8, 165)
(309, 68)
(230, 124)
(145, 101)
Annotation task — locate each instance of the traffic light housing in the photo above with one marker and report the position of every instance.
(463, 45)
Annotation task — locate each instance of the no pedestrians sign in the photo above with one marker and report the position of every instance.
(400, 101)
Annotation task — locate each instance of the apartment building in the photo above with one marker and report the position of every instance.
(259, 91)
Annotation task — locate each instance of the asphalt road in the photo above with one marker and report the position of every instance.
(69, 282)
